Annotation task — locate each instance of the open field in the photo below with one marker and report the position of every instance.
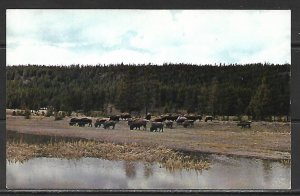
(263, 140)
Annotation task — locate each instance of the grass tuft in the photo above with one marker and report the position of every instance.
(19, 151)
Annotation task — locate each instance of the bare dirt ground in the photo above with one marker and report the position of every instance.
(264, 140)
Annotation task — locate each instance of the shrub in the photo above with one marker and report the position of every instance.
(49, 111)
(69, 113)
(58, 116)
(20, 113)
(27, 114)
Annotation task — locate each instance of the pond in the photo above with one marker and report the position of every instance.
(93, 173)
(226, 172)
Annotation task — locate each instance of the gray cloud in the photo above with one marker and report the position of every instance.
(140, 36)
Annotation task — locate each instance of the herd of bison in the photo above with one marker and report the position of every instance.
(157, 123)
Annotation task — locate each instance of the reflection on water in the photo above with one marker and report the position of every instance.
(148, 170)
(92, 173)
(130, 169)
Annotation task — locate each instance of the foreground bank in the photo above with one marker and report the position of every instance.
(20, 151)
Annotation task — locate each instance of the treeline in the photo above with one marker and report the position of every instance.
(259, 90)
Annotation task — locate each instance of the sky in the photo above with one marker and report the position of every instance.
(65, 37)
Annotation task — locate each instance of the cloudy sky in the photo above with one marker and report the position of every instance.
(64, 37)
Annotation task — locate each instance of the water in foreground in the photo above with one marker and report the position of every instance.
(94, 173)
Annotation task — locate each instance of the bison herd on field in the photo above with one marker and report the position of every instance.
(157, 123)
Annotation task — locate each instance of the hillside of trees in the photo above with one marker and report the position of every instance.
(259, 90)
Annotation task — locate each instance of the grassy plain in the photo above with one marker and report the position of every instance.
(266, 140)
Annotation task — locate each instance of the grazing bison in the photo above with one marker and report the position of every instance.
(130, 120)
(108, 124)
(157, 126)
(180, 120)
(148, 116)
(169, 117)
(99, 122)
(158, 120)
(244, 124)
(169, 124)
(125, 116)
(115, 118)
(73, 121)
(137, 124)
(207, 118)
(172, 117)
(188, 123)
(81, 122)
(193, 117)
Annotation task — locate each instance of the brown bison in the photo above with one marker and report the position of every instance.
(188, 123)
(115, 118)
(169, 124)
(180, 120)
(108, 124)
(244, 124)
(100, 121)
(125, 116)
(81, 122)
(193, 117)
(73, 121)
(85, 121)
(170, 117)
(148, 116)
(207, 118)
(137, 124)
(158, 120)
(157, 126)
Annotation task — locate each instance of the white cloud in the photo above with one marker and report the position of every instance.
(143, 36)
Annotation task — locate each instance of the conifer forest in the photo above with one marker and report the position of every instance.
(258, 90)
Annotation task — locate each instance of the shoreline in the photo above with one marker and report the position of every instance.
(20, 151)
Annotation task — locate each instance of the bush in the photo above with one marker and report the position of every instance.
(27, 114)
(20, 113)
(58, 116)
(69, 113)
(49, 112)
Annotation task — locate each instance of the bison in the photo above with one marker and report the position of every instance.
(157, 126)
(125, 116)
(169, 124)
(244, 124)
(108, 124)
(80, 122)
(137, 124)
(193, 117)
(73, 121)
(148, 116)
(180, 120)
(188, 123)
(169, 117)
(83, 121)
(207, 118)
(99, 122)
(158, 120)
(172, 117)
(114, 118)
